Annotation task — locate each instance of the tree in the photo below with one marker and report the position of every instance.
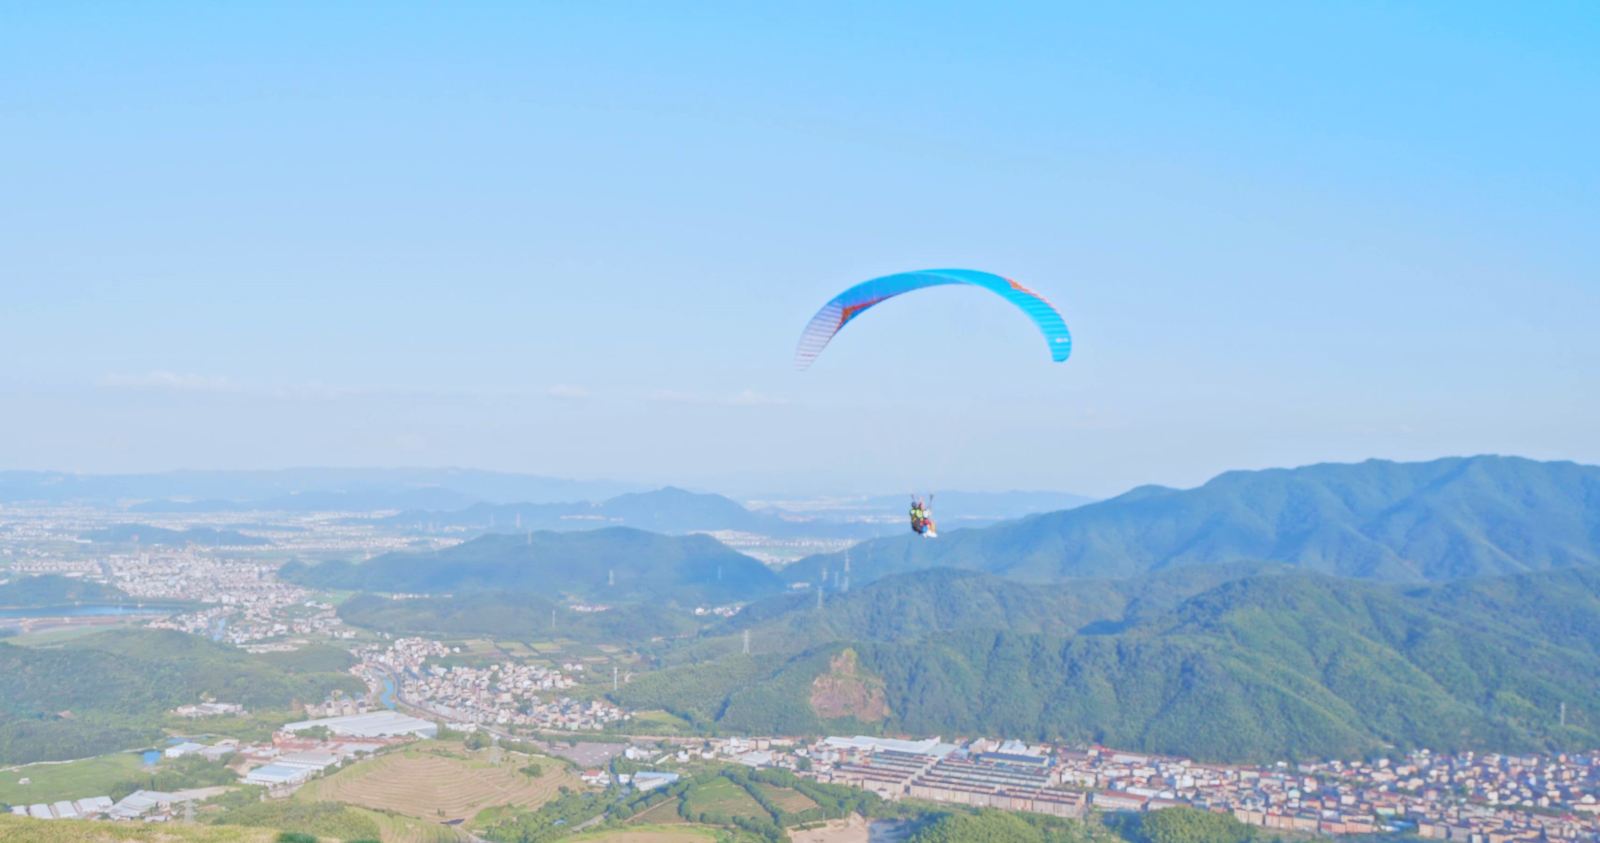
(1190, 825)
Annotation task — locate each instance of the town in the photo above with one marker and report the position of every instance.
(501, 694)
(1472, 797)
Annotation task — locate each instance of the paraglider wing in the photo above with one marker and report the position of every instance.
(852, 302)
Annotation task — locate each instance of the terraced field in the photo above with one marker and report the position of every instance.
(440, 782)
(397, 829)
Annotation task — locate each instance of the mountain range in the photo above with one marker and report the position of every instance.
(1406, 522)
(516, 616)
(609, 564)
(1279, 665)
(674, 510)
(667, 510)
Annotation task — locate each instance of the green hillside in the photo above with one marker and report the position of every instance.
(1259, 668)
(611, 564)
(56, 590)
(911, 606)
(107, 691)
(523, 617)
(1404, 522)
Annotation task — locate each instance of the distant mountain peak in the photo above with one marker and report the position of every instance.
(1437, 520)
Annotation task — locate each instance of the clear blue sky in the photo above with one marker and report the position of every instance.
(582, 238)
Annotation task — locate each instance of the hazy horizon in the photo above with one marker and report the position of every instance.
(624, 485)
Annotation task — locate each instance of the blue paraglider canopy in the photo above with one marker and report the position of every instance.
(852, 302)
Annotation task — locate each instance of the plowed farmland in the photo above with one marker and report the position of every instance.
(441, 782)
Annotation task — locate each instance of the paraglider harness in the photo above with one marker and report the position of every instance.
(922, 518)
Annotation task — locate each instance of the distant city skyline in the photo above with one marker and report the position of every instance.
(582, 241)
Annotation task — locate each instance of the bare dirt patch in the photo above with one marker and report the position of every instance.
(847, 691)
(852, 829)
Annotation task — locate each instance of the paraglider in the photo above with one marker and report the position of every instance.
(922, 518)
(846, 306)
(849, 304)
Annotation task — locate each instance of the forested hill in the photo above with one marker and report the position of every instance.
(1404, 522)
(1287, 665)
(615, 563)
(512, 615)
(908, 607)
(108, 691)
(56, 590)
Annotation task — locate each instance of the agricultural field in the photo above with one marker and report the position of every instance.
(393, 828)
(787, 799)
(50, 782)
(659, 722)
(722, 796)
(441, 782)
(22, 830)
(661, 813)
(653, 834)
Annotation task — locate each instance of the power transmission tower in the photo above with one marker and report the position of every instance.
(747, 642)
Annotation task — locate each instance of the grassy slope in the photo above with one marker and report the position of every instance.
(70, 780)
(20, 830)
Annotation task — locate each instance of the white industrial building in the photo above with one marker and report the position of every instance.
(65, 810)
(652, 779)
(182, 749)
(279, 775)
(374, 724)
(867, 743)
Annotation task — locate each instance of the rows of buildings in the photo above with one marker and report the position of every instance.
(1471, 797)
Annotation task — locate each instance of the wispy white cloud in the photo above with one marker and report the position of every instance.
(322, 392)
(751, 398)
(568, 392)
(745, 398)
(169, 381)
